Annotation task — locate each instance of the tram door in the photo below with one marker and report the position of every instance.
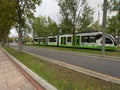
(77, 40)
(63, 40)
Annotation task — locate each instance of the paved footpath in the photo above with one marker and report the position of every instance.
(10, 77)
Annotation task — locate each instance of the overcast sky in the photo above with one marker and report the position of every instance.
(50, 8)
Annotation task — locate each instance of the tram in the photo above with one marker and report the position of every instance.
(88, 40)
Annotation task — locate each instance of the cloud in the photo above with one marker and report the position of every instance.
(48, 8)
(51, 8)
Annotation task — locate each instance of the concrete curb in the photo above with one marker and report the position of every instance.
(81, 70)
(37, 78)
(102, 56)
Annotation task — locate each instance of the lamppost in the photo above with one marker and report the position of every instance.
(104, 26)
(58, 34)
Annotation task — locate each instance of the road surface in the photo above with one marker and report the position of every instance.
(100, 65)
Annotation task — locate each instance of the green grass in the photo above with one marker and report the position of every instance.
(89, 51)
(60, 77)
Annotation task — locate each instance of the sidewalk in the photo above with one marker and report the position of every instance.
(10, 77)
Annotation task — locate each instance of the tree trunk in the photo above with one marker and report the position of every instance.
(19, 12)
(104, 26)
(73, 36)
(33, 37)
(118, 39)
(7, 41)
(4, 39)
(20, 49)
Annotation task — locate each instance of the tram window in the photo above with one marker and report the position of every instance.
(92, 39)
(84, 39)
(108, 41)
(88, 39)
(52, 39)
(35, 40)
(68, 39)
(62, 40)
(98, 36)
(41, 40)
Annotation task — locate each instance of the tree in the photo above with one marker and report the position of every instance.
(96, 26)
(114, 6)
(24, 9)
(7, 19)
(39, 26)
(26, 32)
(44, 27)
(66, 26)
(86, 18)
(71, 10)
(52, 27)
(113, 27)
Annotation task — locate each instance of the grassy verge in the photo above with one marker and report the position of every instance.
(90, 51)
(62, 78)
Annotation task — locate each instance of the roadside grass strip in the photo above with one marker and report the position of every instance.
(61, 77)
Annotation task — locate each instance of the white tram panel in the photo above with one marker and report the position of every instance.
(68, 39)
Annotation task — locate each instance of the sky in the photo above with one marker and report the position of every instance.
(51, 8)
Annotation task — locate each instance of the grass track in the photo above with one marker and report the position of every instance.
(90, 51)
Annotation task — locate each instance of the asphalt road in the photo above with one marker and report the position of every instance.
(101, 65)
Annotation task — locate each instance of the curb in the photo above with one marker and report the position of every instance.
(79, 69)
(111, 58)
(37, 78)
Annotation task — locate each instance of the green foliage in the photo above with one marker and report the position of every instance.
(114, 5)
(24, 10)
(52, 27)
(86, 18)
(66, 26)
(113, 27)
(76, 16)
(39, 26)
(7, 19)
(96, 26)
(70, 11)
(114, 22)
(75, 13)
(11, 40)
(43, 26)
(15, 13)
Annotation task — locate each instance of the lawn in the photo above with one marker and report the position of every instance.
(60, 77)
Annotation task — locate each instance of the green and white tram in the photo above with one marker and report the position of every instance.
(91, 40)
